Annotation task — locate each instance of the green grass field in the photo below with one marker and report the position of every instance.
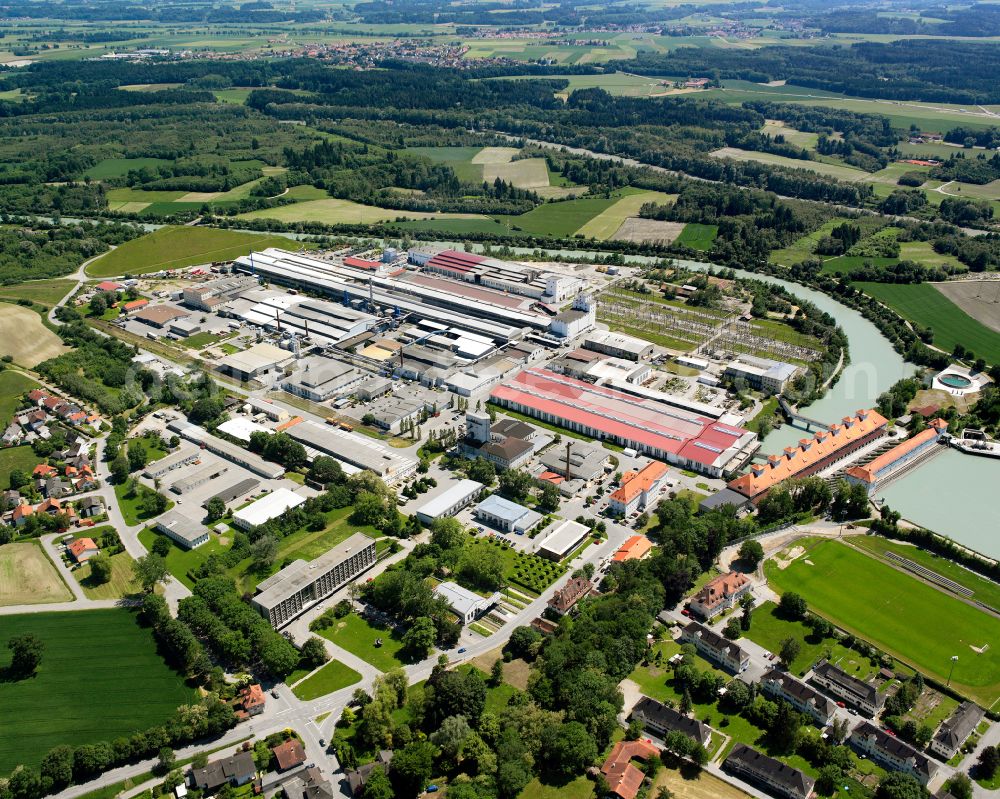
(604, 225)
(819, 167)
(12, 458)
(332, 677)
(121, 584)
(357, 636)
(901, 615)
(181, 561)
(13, 385)
(698, 236)
(924, 304)
(179, 247)
(100, 677)
(559, 219)
(47, 292)
(119, 167)
(456, 227)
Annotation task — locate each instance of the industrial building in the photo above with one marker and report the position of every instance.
(898, 459)
(618, 345)
(254, 361)
(564, 539)
(187, 532)
(812, 455)
(159, 315)
(225, 449)
(320, 321)
(506, 516)
(266, 508)
(508, 444)
(272, 411)
(199, 478)
(239, 489)
(501, 275)
(578, 319)
(762, 374)
(354, 452)
(450, 501)
(209, 296)
(241, 428)
(466, 604)
(175, 460)
(576, 460)
(682, 438)
(319, 378)
(300, 585)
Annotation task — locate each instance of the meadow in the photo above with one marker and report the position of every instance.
(904, 617)
(819, 167)
(924, 304)
(559, 219)
(119, 167)
(121, 584)
(100, 677)
(331, 677)
(27, 576)
(606, 224)
(332, 211)
(175, 247)
(46, 292)
(13, 385)
(12, 458)
(358, 637)
(698, 236)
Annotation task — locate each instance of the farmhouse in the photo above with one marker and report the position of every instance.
(715, 648)
(746, 762)
(891, 752)
(719, 594)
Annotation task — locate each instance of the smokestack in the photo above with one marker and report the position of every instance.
(569, 446)
(277, 318)
(307, 327)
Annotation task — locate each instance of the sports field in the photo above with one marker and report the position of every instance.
(924, 304)
(605, 224)
(28, 577)
(177, 247)
(25, 337)
(905, 617)
(100, 677)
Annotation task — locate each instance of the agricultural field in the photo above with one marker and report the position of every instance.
(819, 167)
(119, 167)
(924, 304)
(175, 247)
(46, 292)
(128, 686)
(803, 248)
(904, 617)
(12, 386)
(620, 84)
(698, 236)
(978, 298)
(559, 219)
(606, 224)
(456, 227)
(28, 577)
(331, 211)
(25, 338)
(775, 127)
(654, 231)
(486, 164)
(331, 677)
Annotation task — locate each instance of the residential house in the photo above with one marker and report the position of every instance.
(238, 769)
(309, 784)
(83, 549)
(36, 395)
(253, 700)
(358, 778)
(623, 778)
(43, 471)
(289, 754)
(12, 435)
(862, 695)
(891, 752)
(799, 695)
(720, 594)
(956, 729)
(660, 719)
(714, 647)
(571, 593)
(53, 507)
(56, 488)
(89, 507)
(20, 514)
(34, 420)
(783, 780)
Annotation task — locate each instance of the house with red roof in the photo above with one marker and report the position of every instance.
(624, 779)
(253, 700)
(134, 305)
(289, 754)
(44, 471)
(20, 514)
(638, 489)
(636, 547)
(719, 594)
(109, 285)
(36, 395)
(83, 549)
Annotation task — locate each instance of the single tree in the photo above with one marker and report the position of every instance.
(100, 569)
(149, 571)
(26, 654)
(789, 650)
(751, 553)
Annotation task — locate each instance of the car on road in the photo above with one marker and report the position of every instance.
(274, 692)
(841, 704)
(462, 651)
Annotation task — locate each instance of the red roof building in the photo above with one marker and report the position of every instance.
(135, 305)
(683, 438)
(720, 594)
(289, 754)
(890, 460)
(624, 779)
(638, 489)
(362, 263)
(36, 395)
(571, 593)
(83, 549)
(108, 285)
(253, 700)
(43, 470)
(635, 547)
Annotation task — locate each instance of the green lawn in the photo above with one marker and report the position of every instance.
(357, 636)
(46, 292)
(769, 630)
(100, 677)
(13, 385)
(178, 247)
(129, 506)
(200, 340)
(559, 219)
(121, 584)
(12, 458)
(332, 677)
(924, 304)
(901, 615)
(985, 591)
(181, 561)
(697, 236)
